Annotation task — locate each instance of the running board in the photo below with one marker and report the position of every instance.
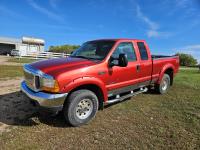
(119, 99)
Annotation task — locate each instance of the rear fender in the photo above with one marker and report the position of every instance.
(162, 72)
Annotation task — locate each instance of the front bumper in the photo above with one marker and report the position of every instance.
(47, 100)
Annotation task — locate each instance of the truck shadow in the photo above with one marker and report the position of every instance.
(17, 109)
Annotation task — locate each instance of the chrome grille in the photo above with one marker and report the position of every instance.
(31, 79)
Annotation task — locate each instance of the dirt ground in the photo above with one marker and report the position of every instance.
(9, 97)
(10, 85)
(13, 104)
(4, 61)
(6, 87)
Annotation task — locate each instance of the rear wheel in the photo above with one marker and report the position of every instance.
(164, 84)
(80, 107)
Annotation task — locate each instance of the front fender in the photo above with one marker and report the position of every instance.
(85, 81)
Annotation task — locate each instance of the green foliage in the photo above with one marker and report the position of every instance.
(187, 59)
(63, 48)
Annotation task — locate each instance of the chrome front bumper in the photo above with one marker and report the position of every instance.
(44, 99)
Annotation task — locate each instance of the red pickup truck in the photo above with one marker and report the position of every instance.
(99, 72)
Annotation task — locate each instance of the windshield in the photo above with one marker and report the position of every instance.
(97, 50)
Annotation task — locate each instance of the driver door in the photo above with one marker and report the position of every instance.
(122, 77)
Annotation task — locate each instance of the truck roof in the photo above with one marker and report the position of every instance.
(118, 39)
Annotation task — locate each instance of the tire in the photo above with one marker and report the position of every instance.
(80, 107)
(164, 85)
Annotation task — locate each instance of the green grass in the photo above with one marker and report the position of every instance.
(10, 71)
(189, 78)
(147, 121)
(22, 60)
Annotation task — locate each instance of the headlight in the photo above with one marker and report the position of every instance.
(49, 84)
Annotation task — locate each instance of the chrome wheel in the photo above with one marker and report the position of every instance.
(164, 85)
(84, 109)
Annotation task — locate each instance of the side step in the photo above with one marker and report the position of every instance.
(118, 98)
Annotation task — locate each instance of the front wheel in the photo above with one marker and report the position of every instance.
(80, 107)
(164, 84)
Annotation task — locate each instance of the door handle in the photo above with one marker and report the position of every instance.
(138, 68)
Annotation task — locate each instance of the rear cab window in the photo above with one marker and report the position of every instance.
(142, 50)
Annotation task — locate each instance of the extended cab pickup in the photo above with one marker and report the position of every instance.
(99, 72)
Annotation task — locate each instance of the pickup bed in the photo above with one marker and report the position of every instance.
(100, 72)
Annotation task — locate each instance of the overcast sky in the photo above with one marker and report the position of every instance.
(167, 25)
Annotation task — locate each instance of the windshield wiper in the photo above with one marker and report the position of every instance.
(85, 57)
(80, 57)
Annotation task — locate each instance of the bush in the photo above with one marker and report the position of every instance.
(187, 59)
(63, 48)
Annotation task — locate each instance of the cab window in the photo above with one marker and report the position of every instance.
(125, 48)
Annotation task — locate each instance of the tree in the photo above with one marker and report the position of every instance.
(63, 48)
(187, 59)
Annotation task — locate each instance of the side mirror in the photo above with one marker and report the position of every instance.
(123, 61)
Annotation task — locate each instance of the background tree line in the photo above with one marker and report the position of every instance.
(185, 59)
(63, 48)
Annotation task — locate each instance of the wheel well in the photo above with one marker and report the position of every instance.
(170, 72)
(94, 88)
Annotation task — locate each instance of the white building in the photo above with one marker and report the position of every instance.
(26, 45)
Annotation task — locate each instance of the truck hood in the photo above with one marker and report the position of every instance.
(58, 66)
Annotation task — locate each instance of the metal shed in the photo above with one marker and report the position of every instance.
(25, 45)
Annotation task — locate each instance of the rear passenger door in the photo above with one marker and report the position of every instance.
(145, 64)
